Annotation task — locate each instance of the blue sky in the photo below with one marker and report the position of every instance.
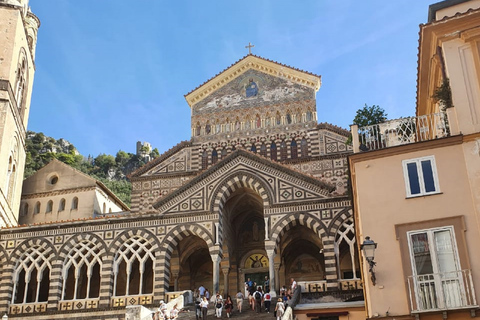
(110, 73)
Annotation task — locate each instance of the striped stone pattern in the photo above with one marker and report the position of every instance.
(314, 143)
(235, 182)
(170, 242)
(5, 282)
(303, 219)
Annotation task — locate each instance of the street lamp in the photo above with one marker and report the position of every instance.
(5, 317)
(368, 247)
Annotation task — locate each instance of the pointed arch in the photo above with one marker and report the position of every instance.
(288, 117)
(273, 151)
(293, 149)
(283, 150)
(170, 242)
(21, 81)
(263, 150)
(237, 180)
(214, 156)
(304, 219)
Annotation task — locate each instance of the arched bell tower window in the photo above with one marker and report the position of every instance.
(304, 148)
(75, 203)
(263, 150)
(49, 207)
(21, 81)
(253, 148)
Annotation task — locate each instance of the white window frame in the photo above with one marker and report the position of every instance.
(421, 181)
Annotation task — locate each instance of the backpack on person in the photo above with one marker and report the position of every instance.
(258, 296)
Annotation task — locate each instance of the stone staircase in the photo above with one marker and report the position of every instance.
(246, 313)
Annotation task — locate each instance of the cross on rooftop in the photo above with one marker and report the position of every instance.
(250, 46)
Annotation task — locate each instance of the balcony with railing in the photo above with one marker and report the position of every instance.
(442, 291)
(403, 131)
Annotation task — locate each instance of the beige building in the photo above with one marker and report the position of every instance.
(18, 38)
(416, 182)
(57, 192)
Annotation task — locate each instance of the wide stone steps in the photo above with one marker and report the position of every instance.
(247, 313)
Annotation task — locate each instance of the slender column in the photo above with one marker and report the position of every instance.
(266, 229)
(216, 233)
(175, 282)
(216, 272)
(226, 272)
(277, 275)
(271, 271)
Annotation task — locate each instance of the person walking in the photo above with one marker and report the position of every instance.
(257, 295)
(204, 306)
(240, 298)
(218, 305)
(279, 309)
(267, 298)
(201, 290)
(228, 306)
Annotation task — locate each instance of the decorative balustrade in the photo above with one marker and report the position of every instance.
(400, 131)
(442, 291)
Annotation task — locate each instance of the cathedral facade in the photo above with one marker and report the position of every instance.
(259, 190)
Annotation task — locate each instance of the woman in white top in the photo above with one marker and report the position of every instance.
(279, 309)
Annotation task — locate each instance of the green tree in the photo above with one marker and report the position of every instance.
(155, 153)
(368, 116)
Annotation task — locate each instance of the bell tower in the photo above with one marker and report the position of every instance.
(18, 38)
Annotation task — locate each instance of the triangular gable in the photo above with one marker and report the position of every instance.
(67, 178)
(333, 139)
(288, 186)
(175, 160)
(252, 62)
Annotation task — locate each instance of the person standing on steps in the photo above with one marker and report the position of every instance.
(201, 290)
(218, 305)
(240, 298)
(204, 306)
(258, 296)
(279, 309)
(267, 298)
(266, 285)
(228, 306)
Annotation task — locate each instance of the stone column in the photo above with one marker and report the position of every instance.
(277, 275)
(271, 271)
(216, 272)
(226, 272)
(175, 283)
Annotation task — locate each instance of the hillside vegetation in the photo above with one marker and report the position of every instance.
(110, 170)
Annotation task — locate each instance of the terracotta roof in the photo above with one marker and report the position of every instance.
(251, 155)
(251, 55)
(159, 159)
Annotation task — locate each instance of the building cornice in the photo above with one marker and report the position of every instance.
(406, 148)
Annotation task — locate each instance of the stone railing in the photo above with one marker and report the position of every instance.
(404, 131)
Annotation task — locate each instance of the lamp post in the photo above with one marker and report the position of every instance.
(5, 317)
(368, 247)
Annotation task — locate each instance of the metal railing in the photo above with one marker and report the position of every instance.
(403, 131)
(441, 291)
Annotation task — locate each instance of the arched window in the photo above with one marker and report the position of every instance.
(37, 208)
(227, 126)
(25, 209)
(258, 121)
(293, 150)
(81, 272)
(273, 151)
(237, 124)
(61, 206)
(224, 153)
(253, 148)
(204, 160)
(345, 248)
(75, 203)
(247, 123)
(214, 156)
(133, 268)
(217, 127)
(304, 148)
(31, 276)
(208, 128)
(268, 120)
(283, 150)
(198, 128)
(21, 80)
(49, 207)
(263, 150)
